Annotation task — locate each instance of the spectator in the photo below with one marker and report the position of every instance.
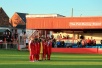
(27, 42)
(24, 36)
(21, 39)
(101, 41)
(88, 42)
(78, 43)
(62, 44)
(53, 42)
(16, 35)
(94, 42)
(60, 36)
(52, 36)
(58, 44)
(91, 43)
(83, 43)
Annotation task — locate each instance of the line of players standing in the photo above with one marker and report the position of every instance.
(40, 49)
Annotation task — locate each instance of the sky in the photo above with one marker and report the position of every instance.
(63, 7)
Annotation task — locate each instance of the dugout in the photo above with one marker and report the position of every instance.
(74, 27)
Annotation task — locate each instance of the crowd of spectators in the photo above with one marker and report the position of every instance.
(82, 43)
(9, 36)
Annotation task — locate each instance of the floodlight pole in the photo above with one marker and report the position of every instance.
(72, 12)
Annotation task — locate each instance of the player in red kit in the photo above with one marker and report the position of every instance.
(37, 49)
(32, 50)
(44, 49)
(49, 46)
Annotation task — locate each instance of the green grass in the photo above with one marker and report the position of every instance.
(20, 59)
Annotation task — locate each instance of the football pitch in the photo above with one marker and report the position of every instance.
(20, 59)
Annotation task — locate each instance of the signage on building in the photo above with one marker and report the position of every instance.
(85, 24)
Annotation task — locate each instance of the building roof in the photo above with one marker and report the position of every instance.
(65, 23)
(18, 19)
(21, 26)
(23, 16)
(44, 15)
(3, 29)
(4, 19)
